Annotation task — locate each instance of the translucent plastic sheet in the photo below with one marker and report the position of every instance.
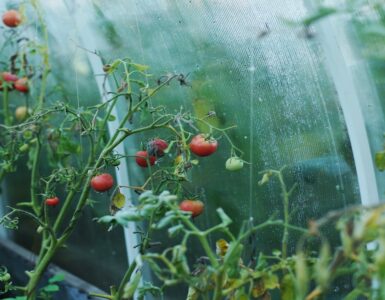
(246, 64)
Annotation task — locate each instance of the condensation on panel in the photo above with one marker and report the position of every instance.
(255, 71)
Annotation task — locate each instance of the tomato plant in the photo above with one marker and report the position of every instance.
(196, 207)
(141, 158)
(12, 18)
(203, 145)
(102, 182)
(52, 201)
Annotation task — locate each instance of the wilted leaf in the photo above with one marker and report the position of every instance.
(258, 288)
(380, 160)
(222, 247)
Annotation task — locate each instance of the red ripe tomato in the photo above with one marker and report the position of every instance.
(22, 85)
(52, 201)
(8, 76)
(196, 207)
(156, 147)
(102, 182)
(141, 159)
(12, 18)
(203, 146)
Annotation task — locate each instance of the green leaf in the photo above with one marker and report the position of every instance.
(51, 288)
(106, 219)
(57, 278)
(139, 67)
(224, 217)
(165, 221)
(111, 118)
(175, 229)
(130, 215)
(321, 267)
(232, 258)
(262, 262)
(287, 288)
(132, 285)
(301, 274)
(354, 294)
(147, 287)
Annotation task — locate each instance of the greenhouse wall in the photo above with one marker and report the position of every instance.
(286, 98)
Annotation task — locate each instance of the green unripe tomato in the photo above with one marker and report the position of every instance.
(234, 163)
(21, 113)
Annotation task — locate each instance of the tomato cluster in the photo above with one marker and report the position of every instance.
(12, 18)
(14, 82)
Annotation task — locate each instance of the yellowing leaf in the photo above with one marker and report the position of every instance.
(150, 92)
(258, 288)
(202, 110)
(222, 247)
(117, 203)
(271, 281)
(193, 294)
(178, 160)
(380, 160)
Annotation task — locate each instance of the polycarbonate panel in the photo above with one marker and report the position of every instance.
(245, 63)
(364, 37)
